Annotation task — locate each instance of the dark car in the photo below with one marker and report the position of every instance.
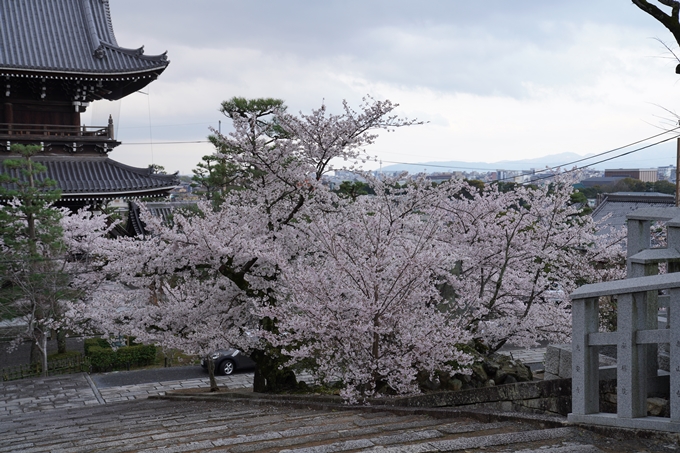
(229, 360)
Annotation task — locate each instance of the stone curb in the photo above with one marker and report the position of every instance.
(326, 403)
(94, 388)
(329, 403)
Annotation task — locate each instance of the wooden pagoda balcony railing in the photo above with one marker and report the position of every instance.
(17, 132)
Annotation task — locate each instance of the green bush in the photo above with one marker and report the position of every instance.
(106, 359)
(101, 359)
(95, 342)
(62, 356)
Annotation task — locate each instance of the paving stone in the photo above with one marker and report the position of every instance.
(17, 447)
(416, 448)
(406, 437)
(334, 447)
(284, 442)
(244, 439)
(578, 448)
(69, 422)
(501, 439)
(460, 428)
(379, 419)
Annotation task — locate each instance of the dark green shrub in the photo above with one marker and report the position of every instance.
(140, 355)
(95, 342)
(62, 356)
(101, 359)
(106, 359)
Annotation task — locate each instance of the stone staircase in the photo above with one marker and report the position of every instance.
(231, 426)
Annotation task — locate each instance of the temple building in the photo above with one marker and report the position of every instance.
(56, 57)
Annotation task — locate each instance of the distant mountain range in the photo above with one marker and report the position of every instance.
(658, 156)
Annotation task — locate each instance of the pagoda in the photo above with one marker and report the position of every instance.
(56, 57)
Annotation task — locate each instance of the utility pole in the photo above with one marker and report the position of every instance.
(677, 174)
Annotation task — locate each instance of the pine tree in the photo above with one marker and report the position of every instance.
(32, 276)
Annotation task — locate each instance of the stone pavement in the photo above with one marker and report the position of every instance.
(78, 390)
(70, 414)
(42, 394)
(68, 391)
(173, 426)
(132, 392)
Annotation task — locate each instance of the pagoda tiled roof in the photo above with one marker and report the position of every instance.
(615, 207)
(163, 210)
(98, 177)
(69, 37)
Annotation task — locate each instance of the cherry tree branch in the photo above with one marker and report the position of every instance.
(671, 21)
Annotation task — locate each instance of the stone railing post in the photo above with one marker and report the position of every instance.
(631, 373)
(639, 238)
(674, 323)
(585, 359)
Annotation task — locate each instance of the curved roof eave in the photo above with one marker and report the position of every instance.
(42, 72)
(67, 36)
(116, 194)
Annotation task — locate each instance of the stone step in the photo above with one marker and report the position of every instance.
(575, 448)
(475, 443)
(186, 426)
(161, 426)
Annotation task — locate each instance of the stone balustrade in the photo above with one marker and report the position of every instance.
(638, 336)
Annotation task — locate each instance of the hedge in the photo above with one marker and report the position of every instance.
(106, 359)
(95, 342)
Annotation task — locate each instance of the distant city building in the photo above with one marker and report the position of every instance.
(441, 177)
(666, 173)
(344, 175)
(601, 181)
(643, 174)
(509, 176)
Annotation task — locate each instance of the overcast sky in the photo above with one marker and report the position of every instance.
(497, 80)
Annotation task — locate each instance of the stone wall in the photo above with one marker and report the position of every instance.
(657, 398)
(551, 397)
(558, 363)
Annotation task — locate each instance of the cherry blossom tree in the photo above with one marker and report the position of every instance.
(167, 289)
(222, 260)
(522, 253)
(362, 303)
(369, 289)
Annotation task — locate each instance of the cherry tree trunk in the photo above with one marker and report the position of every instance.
(61, 341)
(271, 376)
(45, 371)
(36, 355)
(211, 375)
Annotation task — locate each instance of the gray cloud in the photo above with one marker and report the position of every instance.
(485, 48)
(308, 50)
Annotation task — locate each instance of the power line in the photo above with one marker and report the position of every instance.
(167, 143)
(561, 165)
(622, 147)
(432, 165)
(165, 125)
(478, 168)
(609, 158)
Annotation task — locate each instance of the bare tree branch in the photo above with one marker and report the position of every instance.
(671, 21)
